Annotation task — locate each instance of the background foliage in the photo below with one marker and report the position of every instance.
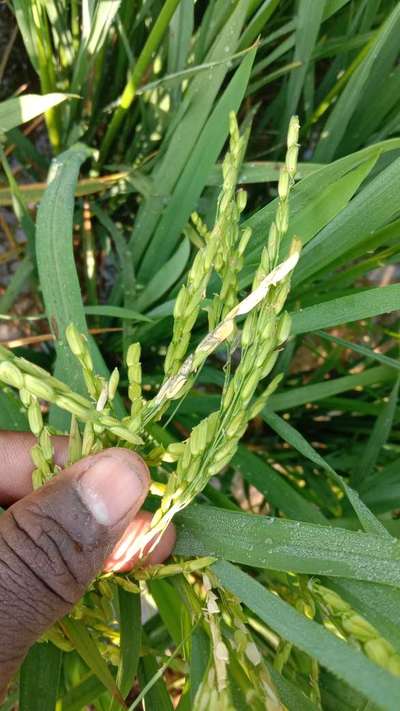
(137, 96)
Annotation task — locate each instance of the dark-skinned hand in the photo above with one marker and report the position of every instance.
(54, 541)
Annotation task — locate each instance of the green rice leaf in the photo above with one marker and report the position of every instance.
(258, 22)
(373, 207)
(194, 175)
(169, 606)
(200, 658)
(86, 692)
(153, 686)
(280, 544)
(17, 282)
(12, 416)
(379, 436)
(362, 304)
(184, 130)
(318, 391)
(55, 259)
(39, 678)
(344, 108)
(367, 519)
(362, 350)
(87, 649)
(381, 492)
(290, 694)
(165, 277)
(116, 312)
(349, 664)
(317, 199)
(21, 109)
(308, 21)
(130, 642)
(58, 275)
(275, 487)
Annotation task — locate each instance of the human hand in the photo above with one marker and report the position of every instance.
(54, 541)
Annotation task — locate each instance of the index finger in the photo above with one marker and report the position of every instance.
(16, 464)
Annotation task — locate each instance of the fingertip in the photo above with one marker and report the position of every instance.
(16, 463)
(165, 546)
(128, 551)
(112, 484)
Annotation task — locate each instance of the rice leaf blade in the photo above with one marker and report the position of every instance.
(194, 176)
(344, 108)
(280, 544)
(350, 665)
(19, 110)
(39, 678)
(86, 647)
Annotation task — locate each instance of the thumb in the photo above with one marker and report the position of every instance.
(54, 542)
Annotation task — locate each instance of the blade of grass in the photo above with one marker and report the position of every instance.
(130, 642)
(362, 350)
(379, 436)
(27, 29)
(180, 34)
(308, 21)
(366, 303)
(290, 694)
(319, 391)
(153, 688)
(125, 260)
(12, 417)
(18, 281)
(25, 151)
(258, 22)
(56, 264)
(39, 678)
(84, 693)
(199, 660)
(184, 130)
(116, 312)
(344, 108)
(18, 203)
(21, 109)
(94, 34)
(373, 207)
(169, 605)
(86, 647)
(315, 201)
(347, 663)
(58, 275)
(165, 277)
(326, 205)
(202, 404)
(367, 519)
(385, 96)
(275, 487)
(381, 492)
(152, 43)
(178, 77)
(280, 544)
(193, 178)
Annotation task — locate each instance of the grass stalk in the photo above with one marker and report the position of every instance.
(128, 95)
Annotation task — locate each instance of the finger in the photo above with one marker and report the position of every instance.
(129, 549)
(16, 482)
(55, 540)
(16, 463)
